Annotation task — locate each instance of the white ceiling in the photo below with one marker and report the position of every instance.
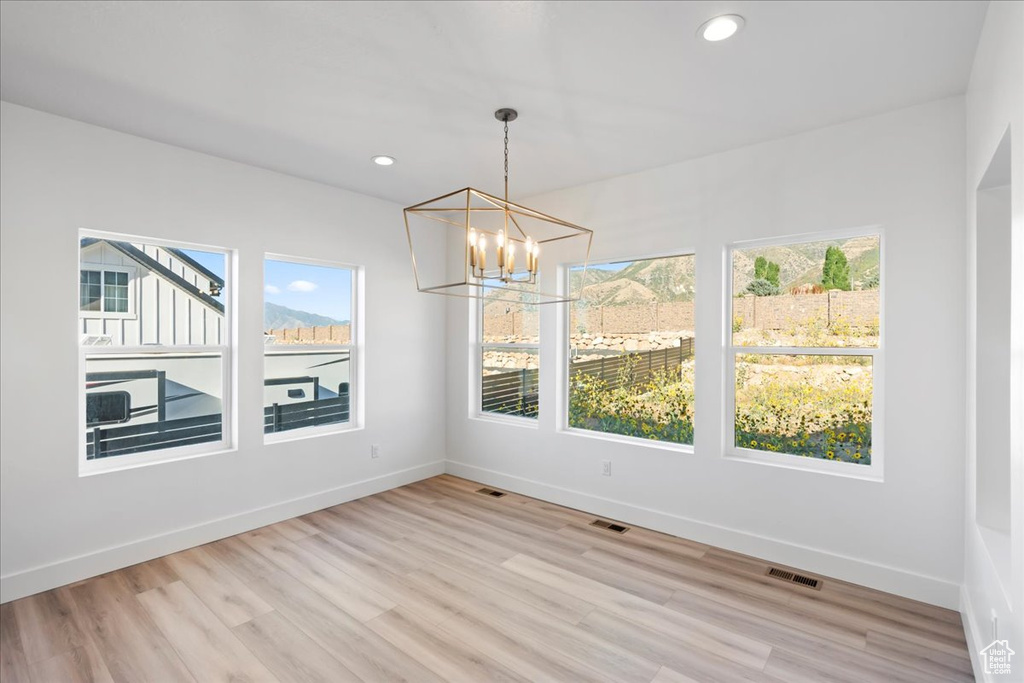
(314, 89)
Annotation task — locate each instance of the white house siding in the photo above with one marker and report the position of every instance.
(161, 312)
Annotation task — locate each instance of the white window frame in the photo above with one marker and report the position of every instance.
(354, 349)
(226, 351)
(565, 363)
(476, 410)
(133, 280)
(872, 472)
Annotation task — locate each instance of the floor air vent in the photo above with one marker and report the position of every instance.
(784, 575)
(611, 526)
(491, 492)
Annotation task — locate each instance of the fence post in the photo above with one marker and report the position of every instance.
(345, 396)
(277, 418)
(96, 440)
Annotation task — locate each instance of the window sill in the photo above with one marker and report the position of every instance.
(629, 440)
(107, 315)
(289, 436)
(511, 420)
(805, 464)
(89, 468)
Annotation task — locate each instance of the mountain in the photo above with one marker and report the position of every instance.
(277, 317)
(801, 264)
(648, 281)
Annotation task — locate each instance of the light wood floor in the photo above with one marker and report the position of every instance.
(435, 582)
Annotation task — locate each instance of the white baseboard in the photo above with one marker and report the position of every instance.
(920, 587)
(38, 579)
(975, 641)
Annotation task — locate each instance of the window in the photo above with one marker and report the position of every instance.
(115, 292)
(631, 349)
(155, 373)
(805, 353)
(309, 349)
(509, 357)
(91, 294)
(112, 296)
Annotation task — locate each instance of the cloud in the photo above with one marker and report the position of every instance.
(271, 289)
(302, 286)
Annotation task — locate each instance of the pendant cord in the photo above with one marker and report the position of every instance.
(506, 160)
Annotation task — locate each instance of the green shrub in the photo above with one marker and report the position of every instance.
(762, 287)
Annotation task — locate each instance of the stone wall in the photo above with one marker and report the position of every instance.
(325, 334)
(792, 311)
(783, 312)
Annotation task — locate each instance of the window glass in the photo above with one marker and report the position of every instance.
(308, 348)
(89, 291)
(631, 349)
(811, 405)
(806, 331)
(808, 294)
(154, 374)
(510, 357)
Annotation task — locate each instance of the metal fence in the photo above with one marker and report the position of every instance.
(105, 442)
(515, 392)
(642, 364)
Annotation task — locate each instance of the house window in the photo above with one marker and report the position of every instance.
(115, 292)
(631, 349)
(310, 347)
(509, 357)
(155, 377)
(90, 291)
(104, 290)
(805, 356)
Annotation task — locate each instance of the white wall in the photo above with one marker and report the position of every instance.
(59, 176)
(994, 557)
(903, 171)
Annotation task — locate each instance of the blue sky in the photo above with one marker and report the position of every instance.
(614, 267)
(314, 289)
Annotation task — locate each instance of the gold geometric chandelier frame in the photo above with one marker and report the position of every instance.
(471, 211)
(519, 239)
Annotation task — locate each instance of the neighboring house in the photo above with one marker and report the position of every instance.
(136, 294)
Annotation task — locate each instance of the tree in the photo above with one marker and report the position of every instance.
(760, 268)
(836, 272)
(766, 270)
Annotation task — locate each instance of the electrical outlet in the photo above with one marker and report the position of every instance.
(375, 450)
(606, 468)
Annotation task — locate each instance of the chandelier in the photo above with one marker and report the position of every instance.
(473, 244)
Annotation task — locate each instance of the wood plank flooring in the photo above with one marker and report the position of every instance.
(435, 582)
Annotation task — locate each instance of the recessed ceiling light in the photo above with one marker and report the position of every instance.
(720, 28)
(383, 160)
